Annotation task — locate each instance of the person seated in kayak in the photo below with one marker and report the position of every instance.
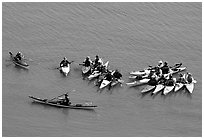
(96, 61)
(117, 74)
(66, 100)
(160, 64)
(151, 73)
(87, 62)
(189, 78)
(165, 68)
(158, 71)
(108, 76)
(170, 81)
(64, 62)
(19, 56)
(181, 79)
(152, 80)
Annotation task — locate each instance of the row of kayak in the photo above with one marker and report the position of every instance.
(167, 89)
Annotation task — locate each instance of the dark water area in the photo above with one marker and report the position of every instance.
(131, 36)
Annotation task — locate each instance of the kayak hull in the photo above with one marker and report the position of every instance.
(104, 84)
(55, 104)
(86, 70)
(190, 87)
(158, 88)
(65, 70)
(178, 87)
(114, 83)
(168, 89)
(148, 88)
(137, 83)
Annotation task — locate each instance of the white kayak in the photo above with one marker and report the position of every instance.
(158, 88)
(190, 86)
(115, 82)
(142, 72)
(104, 84)
(85, 70)
(140, 82)
(178, 86)
(65, 70)
(94, 75)
(148, 88)
(168, 89)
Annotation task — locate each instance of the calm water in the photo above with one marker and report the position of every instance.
(131, 36)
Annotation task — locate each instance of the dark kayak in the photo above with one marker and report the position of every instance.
(18, 63)
(85, 106)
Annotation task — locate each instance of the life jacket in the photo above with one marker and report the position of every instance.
(165, 70)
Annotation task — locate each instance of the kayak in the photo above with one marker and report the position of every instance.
(104, 84)
(18, 63)
(176, 70)
(94, 75)
(168, 89)
(57, 104)
(178, 86)
(139, 73)
(148, 88)
(65, 70)
(115, 82)
(97, 73)
(85, 70)
(137, 83)
(158, 88)
(190, 86)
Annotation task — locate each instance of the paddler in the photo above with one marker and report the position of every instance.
(153, 80)
(160, 64)
(66, 100)
(96, 61)
(189, 78)
(64, 62)
(87, 62)
(19, 56)
(165, 68)
(170, 81)
(181, 79)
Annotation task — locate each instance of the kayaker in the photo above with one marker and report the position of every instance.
(152, 81)
(117, 74)
(96, 61)
(66, 100)
(170, 81)
(108, 76)
(165, 68)
(19, 56)
(160, 64)
(181, 79)
(87, 62)
(64, 62)
(189, 77)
